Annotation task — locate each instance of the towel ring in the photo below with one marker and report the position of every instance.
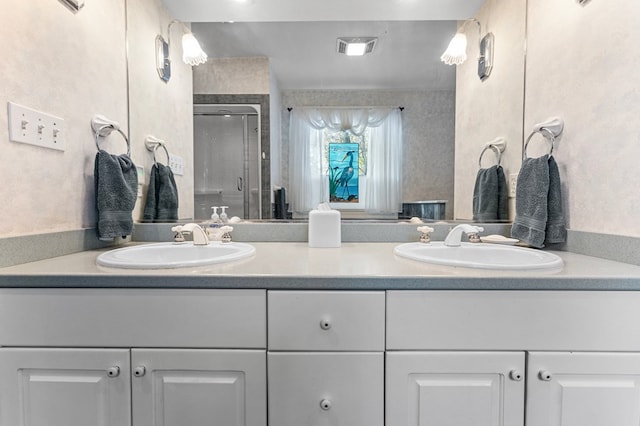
(548, 135)
(166, 151)
(495, 149)
(107, 126)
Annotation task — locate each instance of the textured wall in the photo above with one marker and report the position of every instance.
(233, 76)
(429, 132)
(492, 108)
(72, 66)
(583, 65)
(164, 110)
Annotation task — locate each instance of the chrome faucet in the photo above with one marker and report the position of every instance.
(199, 235)
(455, 235)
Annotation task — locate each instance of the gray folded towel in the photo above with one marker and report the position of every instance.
(116, 186)
(162, 196)
(490, 198)
(532, 194)
(539, 216)
(556, 231)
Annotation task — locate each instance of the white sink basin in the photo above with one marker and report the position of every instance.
(170, 255)
(479, 255)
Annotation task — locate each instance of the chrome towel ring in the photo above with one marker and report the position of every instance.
(152, 143)
(548, 135)
(166, 151)
(495, 149)
(102, 127)
(550, 129)
(105, 131)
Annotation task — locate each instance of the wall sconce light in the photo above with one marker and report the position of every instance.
(192, 53)
(456, 52)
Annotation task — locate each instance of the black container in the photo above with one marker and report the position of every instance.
(433, 209)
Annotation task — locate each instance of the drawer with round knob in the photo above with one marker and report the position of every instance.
(320, 388)
(326, 320)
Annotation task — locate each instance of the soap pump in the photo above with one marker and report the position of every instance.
(214, 216)
(223, 214)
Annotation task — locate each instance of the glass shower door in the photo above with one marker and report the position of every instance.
(221, 165)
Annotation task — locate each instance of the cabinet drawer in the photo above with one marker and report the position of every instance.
(332, 321)
(133, 318)
(320, 388)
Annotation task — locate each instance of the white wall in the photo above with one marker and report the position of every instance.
(583, 64)
(72, 66)
(492, 108)
(164, 110)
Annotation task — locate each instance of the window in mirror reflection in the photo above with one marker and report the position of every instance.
(345, 159)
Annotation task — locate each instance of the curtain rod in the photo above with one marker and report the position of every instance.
(401, 108)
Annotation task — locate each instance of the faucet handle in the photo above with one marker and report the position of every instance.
(474, 237)
(425, 238)
(178, 237)
(226, 233)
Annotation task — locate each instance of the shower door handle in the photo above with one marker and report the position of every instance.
(240, 184)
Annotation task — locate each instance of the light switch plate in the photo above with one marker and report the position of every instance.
(511, 185)
(33, 127)
(176, 163)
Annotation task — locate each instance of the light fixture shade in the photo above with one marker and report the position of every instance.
(456, 53)
(192, 53)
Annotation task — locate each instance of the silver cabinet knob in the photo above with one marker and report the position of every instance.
(113, 371)
(515, 375)
(325, 404)
(545, 375)
(325, 324)
(139, 371)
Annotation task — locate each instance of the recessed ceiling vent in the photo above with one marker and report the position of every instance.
(356, 46)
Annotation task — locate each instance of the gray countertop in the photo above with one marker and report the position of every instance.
(293, 265)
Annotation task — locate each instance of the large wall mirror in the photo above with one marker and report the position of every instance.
(449, 113)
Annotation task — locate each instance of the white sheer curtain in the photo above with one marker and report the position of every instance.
(307, 180)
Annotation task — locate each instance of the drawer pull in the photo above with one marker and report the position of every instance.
(325, 324)
(139, 371)
(325, 404)
(113, 371)
(515, 375)
(545, 376)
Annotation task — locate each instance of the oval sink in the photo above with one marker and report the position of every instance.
(479, 255)
(170, 255)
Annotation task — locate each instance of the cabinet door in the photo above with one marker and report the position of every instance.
(64, 387)
(199, 387)
(455, 388)
(328, 388)
(583, 389)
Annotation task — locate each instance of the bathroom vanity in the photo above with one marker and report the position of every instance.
(299, 336)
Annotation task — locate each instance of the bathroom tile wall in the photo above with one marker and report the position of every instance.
(232, 76)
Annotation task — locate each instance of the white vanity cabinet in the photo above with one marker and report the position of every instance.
(455, 355)
(326, 358)
(119, 383)
(584, 388)
(455, 388)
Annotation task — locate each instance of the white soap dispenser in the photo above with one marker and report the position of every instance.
(214, 216)
(223, 214)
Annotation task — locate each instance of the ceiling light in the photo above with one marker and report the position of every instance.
(356, 46)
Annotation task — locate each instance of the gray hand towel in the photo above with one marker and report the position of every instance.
(556, 231)
(116, 186)
(162, 196)
(532, 196)
(490, 198)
